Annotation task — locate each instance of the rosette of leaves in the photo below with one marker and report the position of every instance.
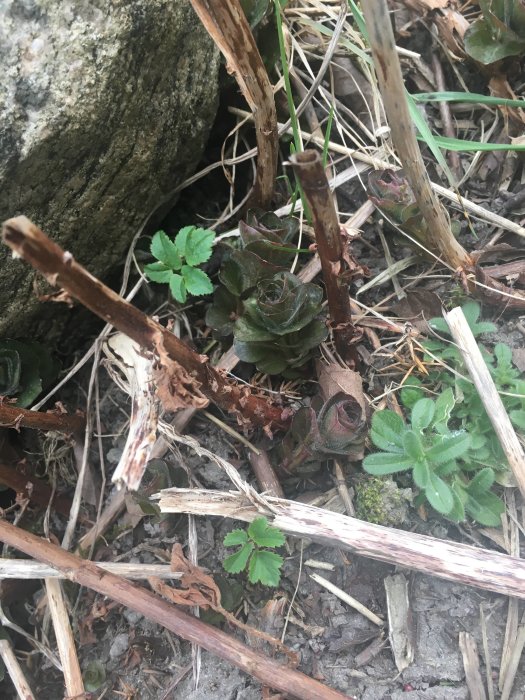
(337, 428)
(26, 369)
(279, 326)
(498, 33)
(437, 456)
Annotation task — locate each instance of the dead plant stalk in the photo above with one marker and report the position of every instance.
(60, 269)
(85, 573)
(392, 87)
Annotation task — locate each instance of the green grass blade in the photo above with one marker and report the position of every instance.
(468, 97)
(462, 145)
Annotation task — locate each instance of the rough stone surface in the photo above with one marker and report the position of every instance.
(104, 109)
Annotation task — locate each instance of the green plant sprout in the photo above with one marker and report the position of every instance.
(439, 458)
(178, 262)
(263, 566)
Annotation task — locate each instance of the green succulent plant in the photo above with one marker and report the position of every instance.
(498, 33)
(338, 427)
(26, 369)
(273, 316)
(280, 326)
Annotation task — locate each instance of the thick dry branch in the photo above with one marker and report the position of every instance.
(227, 25)
(310, 172)
(26, 569)
(266, 670)
(488, 394)
(60, 269)
(462, 563)
(391, 85)
(13, 417)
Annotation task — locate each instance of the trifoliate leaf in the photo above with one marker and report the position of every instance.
(178, 288)
(165, 250)
(237, 562)
(235, 537)
(194, 244)
(264, 534)
(197, 282)
(265, 567)
(158, 272)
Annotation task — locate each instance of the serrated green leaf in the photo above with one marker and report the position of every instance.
(457, 512)
(158, 272)
(236, 563)
(387, 430)
(383, 463)
(199, 246)
(411, 392)
(265, 567)
(197, 281)
(412, 445)
(486, 509)
(422, 414)
(503, 354)
(178, 288)
(264, 535)
(165, 250)
(518, 418)
(449, 447)
(443, 406)
(235, 537)
(439, 494)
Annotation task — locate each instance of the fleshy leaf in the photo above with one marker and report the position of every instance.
(265, 567)
(264, 534)
(165, 250)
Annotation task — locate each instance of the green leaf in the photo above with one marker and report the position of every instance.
(165, 250)
(412, 445)
(457, 513)
(444, 404)
(486, 509)
(197, 281)
(158, 272)
(449, 447)
(467, 97)
(411, 392)
(235, 537)
(422, 414)
(383, 463)
(265, 567)
(484, 45)
(195, 244)
(387, 430)
(481, 483)
(421, 474)
(264, 534)
(236, 563)
(518, 418)
(94, 676)
(178, 288)
(439, 494)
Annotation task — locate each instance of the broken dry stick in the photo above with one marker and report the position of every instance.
(13, 417)
(195, 377)
(227, 25)
(266, 670)
(472, 566)
(478, 370)
(310, 172)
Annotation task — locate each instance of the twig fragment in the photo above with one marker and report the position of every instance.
(15, 671)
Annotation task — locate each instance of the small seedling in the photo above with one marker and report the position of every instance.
(178, 261)
(263, 566)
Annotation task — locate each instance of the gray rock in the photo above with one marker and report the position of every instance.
(119, 645)
(104, 109)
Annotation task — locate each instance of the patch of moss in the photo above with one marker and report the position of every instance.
(381, 501)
